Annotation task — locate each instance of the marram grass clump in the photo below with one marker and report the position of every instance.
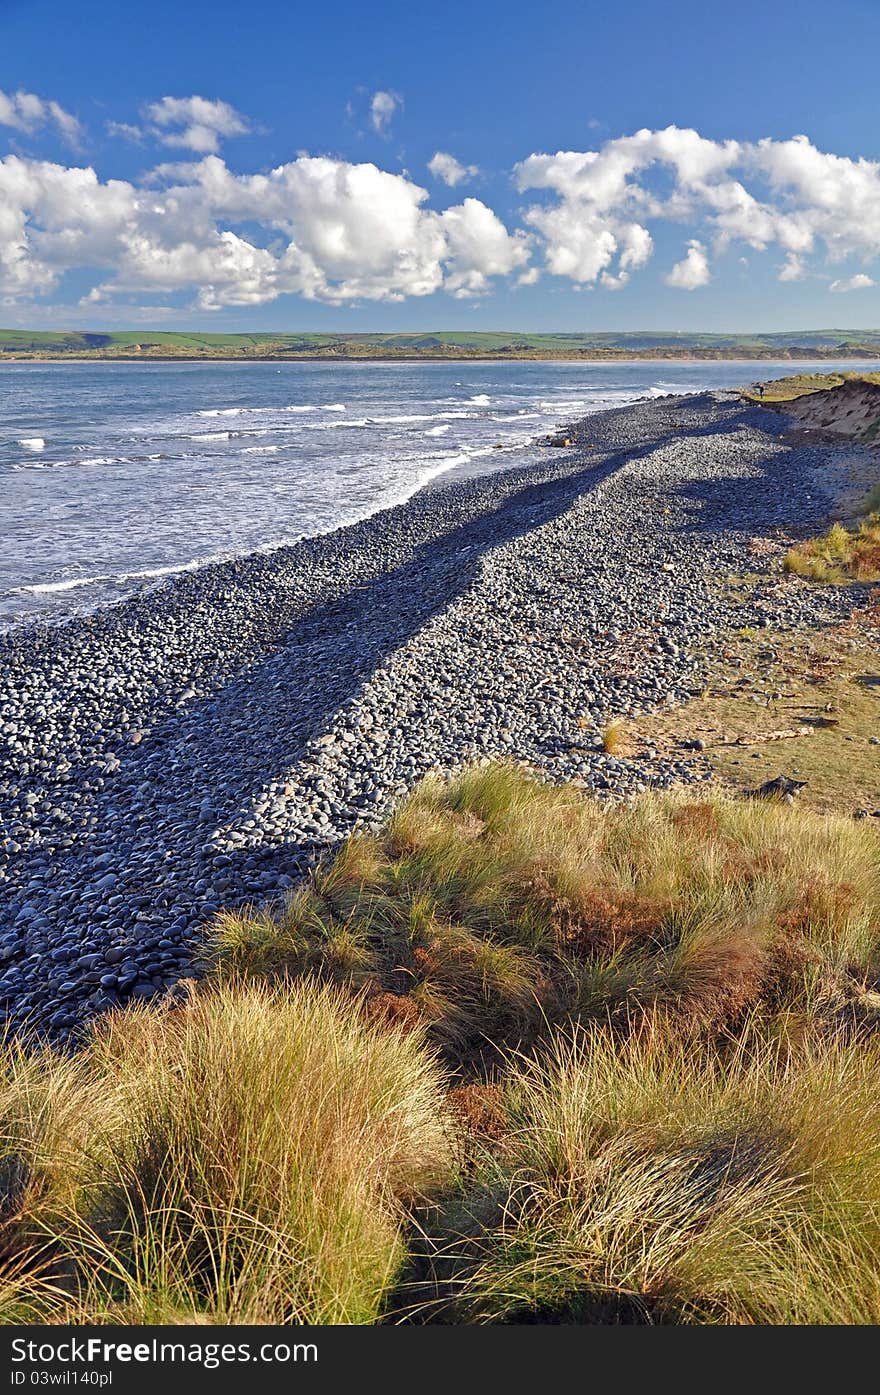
(245, 1158)
(651, 1182)
(494, 906)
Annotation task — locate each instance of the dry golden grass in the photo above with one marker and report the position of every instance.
(246, 1158)
(495, 906)
(690, 1131)
(655, 1182)
(826, 683)
(614, 739)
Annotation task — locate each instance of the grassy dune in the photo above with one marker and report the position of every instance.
(245, 1158)
(522, 1057)
(662, 1183)
(800, 385)
(496, 907)
(846, 405)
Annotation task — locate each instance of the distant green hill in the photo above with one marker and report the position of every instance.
(451, 344)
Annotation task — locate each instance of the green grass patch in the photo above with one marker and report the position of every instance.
(841, 555)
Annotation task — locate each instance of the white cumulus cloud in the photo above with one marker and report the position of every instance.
(339, 231)
(26, 112)
(125, 130)
(479, 248)
(853, 283)
(793, 268)
(783, 193)
(692, 271)
(325, 229)
(195, 123)
(445, 167)
(383, 105)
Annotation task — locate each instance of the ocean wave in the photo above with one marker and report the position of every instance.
(174, 569)
(293, 408)
(444, 463)
(48, 587)
(84, 461)
(398, 419)
(33, 442)
(42, 465)
(231, 435)
(437, 430)
(517, 416)
(405, 417)
(75, 583)
(482, 399)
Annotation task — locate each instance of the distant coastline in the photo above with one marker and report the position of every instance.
(444, 346)
(429, 358)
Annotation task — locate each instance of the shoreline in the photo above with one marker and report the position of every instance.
(435, 358)
(197, 744)
(450, 475)
(117, 587)
(171, 573)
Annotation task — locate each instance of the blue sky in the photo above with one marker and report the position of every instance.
(733, 228)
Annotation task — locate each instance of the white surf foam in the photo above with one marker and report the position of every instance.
(50, 586)
(74, 583)
(33, 442)
(516, 416)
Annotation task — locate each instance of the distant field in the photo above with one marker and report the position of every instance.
(445, 344)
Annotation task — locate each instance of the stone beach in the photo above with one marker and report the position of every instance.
(196, 746)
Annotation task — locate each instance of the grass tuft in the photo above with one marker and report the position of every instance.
(246, 1158)
(665, 1108)
(614, 739)
(652, 1183)
(840, 555)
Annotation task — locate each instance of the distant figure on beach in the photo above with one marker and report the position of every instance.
(760, 389)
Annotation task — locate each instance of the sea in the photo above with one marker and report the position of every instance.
(116, 476)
